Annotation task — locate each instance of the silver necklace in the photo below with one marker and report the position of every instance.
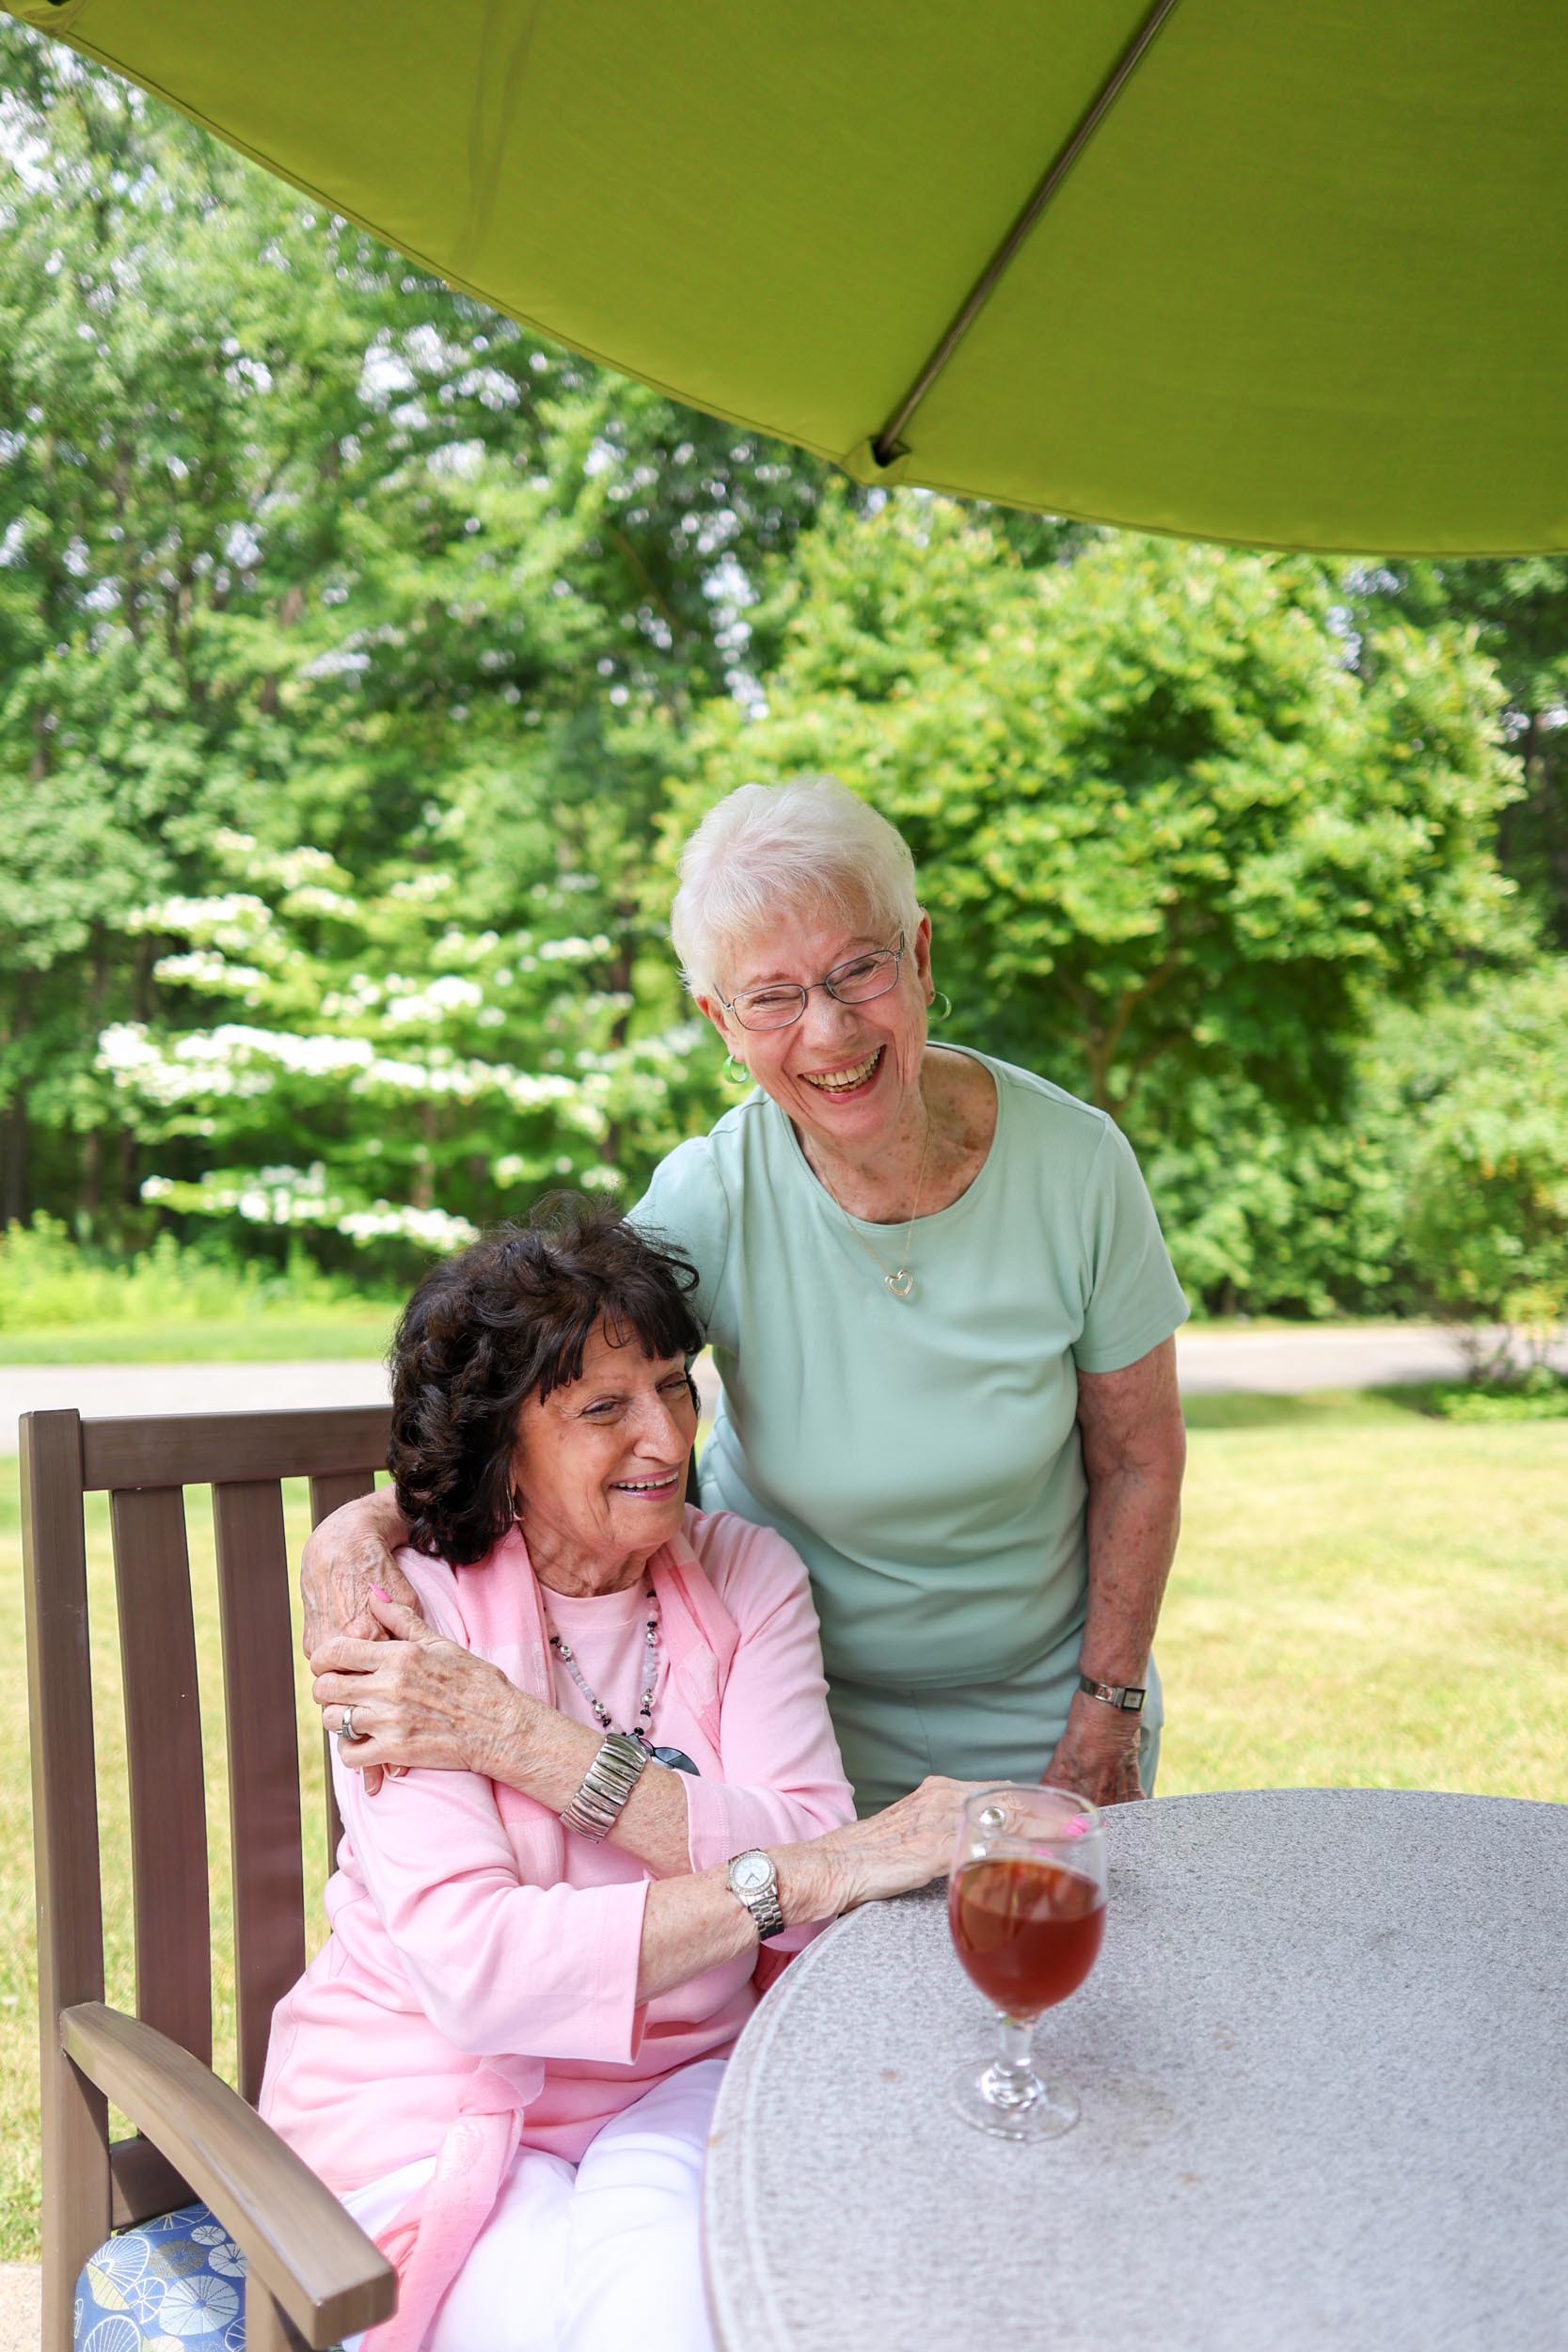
(639, 1730)
(900, 1281)
(677, 1758)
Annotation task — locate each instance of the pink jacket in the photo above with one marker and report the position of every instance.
(478, 1990)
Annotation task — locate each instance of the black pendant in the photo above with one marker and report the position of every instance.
(676, 1759)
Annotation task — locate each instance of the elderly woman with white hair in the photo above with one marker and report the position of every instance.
(938, 1297)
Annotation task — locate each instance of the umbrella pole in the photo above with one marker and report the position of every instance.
(887, 444)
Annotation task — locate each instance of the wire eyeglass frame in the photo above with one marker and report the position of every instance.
(804, 990)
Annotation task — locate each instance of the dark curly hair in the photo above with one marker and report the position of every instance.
(504, 1320)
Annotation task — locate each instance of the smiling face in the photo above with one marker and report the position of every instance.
(599, 1467)
(847, 1074)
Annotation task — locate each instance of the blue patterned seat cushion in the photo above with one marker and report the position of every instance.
(176, 2284)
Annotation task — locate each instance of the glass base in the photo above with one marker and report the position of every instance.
(998, 2101)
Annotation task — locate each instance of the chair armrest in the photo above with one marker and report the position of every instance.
(312, 2258)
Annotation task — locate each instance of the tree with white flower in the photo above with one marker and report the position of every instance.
(444, 1073)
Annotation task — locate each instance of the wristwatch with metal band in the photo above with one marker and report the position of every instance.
(605, 1786)
(1126, 1695)
(753, 1881)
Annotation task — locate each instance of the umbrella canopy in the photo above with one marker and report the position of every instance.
(1287, 275)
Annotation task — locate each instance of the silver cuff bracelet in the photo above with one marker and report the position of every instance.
(605, 1786)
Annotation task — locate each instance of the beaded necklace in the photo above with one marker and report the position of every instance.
(650, 1675)
(677, 1758)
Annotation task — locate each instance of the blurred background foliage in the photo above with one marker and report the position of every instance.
(363, 660)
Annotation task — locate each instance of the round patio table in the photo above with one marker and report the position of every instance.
(1323, 2066)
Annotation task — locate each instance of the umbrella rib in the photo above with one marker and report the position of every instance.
(885, 447)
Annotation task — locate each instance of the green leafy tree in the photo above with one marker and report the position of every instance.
(296, 543)
(1483, 1085)
(178, 393)
(1272, 1214)
(1519, 608)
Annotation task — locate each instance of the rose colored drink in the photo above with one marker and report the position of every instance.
(1026, 1932)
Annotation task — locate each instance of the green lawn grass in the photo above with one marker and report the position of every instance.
(281, 1334)
(1368, 1597)
(1364, 1595)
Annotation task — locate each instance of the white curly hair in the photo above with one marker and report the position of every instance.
(771, 849)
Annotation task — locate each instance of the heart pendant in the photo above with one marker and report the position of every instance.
(901, 1283)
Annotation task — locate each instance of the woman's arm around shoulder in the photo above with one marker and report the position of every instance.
(495, 1961)
(423, 1700)
(344, 1559)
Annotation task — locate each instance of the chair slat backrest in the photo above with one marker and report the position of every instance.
(263, 1759)
(163, 1748)
(69, 1891)
(143, 1465)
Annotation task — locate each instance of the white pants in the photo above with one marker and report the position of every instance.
(601, 2256)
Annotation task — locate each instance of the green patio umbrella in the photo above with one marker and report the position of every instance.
(1278, 271)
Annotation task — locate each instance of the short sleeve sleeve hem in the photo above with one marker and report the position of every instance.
(1132, 1350)
(1132, 1300)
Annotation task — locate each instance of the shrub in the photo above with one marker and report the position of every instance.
(1486, 1187)
(47, 1282)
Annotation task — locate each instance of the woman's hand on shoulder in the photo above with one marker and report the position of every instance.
(422, 1699)
(345, 1559)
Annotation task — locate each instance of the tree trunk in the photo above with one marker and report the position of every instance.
(14, 1198)
(89, 1183)
(289, 612)
(422, 1185)
(144, 996)
(1099, 1049)
(129, 1171)
(89, 1180)
(618, 982)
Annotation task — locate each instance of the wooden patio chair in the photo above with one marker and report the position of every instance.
(312, 2274)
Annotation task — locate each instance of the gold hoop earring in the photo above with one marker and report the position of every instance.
(946, 1004)
(737, 1072)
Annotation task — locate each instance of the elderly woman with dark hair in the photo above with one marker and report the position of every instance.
(504, 2059)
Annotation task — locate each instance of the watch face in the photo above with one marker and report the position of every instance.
(751, 1873)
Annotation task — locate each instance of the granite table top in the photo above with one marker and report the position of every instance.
(1323, 2067)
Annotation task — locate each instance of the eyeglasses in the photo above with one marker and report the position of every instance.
(781, 1003)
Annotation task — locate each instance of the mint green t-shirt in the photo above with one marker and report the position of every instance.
(922, 1454)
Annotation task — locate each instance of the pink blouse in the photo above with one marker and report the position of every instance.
(482, 1961)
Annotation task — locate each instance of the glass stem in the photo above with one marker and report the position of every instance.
(1010, 2082)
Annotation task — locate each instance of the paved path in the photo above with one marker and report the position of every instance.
(188, 1387)
(1276, 1362)
(1333, 1355)
(20, 2307)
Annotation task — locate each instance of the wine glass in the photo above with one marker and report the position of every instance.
(1026, 1907)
